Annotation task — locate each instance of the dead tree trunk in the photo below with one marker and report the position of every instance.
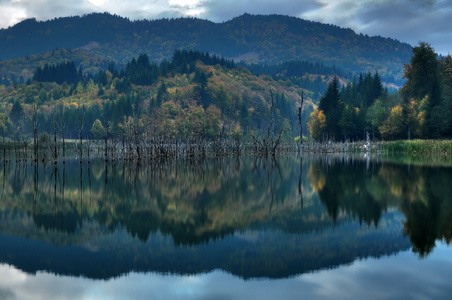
(62, 127)
(300, 123)
(34, 124)
(89, 146)
(81, 117)
(4, 145)
(55, 149)
(272, 121)
(106, 144)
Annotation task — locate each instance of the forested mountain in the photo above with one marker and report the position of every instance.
(252, 38)
(193, 95)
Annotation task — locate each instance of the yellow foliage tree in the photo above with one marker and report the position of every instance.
(393, 126)
(317, 124)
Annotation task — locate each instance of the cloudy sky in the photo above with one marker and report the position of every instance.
(409, 21)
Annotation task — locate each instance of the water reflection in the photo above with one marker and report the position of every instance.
(401, 276)
(252, 217)
(422, 194)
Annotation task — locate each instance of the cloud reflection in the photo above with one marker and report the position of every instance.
(401, 276)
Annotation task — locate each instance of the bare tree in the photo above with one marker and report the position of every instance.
(81, 115)
(272, 121)
(55, 146)
(299, 121)
(106, 141)
(34, 125)
(62, 125)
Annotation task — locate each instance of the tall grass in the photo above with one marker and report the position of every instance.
(437, 147)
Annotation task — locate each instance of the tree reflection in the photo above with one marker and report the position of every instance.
(252, 216)
(196, 201)
(422, 194)
(342, 188)
(192, 200)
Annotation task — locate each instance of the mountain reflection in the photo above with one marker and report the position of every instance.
(253, 217)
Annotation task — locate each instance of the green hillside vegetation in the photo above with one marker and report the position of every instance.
(20, 69)
(253, 38)
(310, 76)
(194, 95)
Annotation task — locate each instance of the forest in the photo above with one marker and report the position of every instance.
(192, 97)
(197, 96)
(421, 109)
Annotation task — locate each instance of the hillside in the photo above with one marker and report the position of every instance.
(252, 38)
(194, 95)
(22, 68)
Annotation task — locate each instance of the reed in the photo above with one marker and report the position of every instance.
(438, 147)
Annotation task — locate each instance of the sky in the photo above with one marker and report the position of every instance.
(409, 21)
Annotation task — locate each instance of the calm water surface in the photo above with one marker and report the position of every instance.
(319, 227)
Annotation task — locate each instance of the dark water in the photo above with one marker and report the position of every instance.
(322, 227)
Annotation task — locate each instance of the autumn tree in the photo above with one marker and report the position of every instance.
(213, 121)
(317, 124)
(392, 128)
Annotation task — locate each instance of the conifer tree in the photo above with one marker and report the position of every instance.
(331, 105)
(423, 79)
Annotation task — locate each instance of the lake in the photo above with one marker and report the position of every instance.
(315, 227)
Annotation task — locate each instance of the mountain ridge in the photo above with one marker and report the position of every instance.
(267, 39)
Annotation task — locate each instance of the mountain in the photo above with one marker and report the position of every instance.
(268, 39)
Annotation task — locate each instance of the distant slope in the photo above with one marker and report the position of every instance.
(263, 39)
(24, 67)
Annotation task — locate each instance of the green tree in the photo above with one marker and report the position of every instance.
(331, 105)
(446, 74)
(212, 121)
(347, 121)
(44, 140)
(376, 115)
(98, 129)
(423, 79)
(5, 125)
(17, 112)
(162, 94)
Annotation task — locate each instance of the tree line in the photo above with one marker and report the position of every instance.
(59, 73)
(194, 97)
(422, 108)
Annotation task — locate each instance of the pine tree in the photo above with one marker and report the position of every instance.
(331, 105)
(423, 79)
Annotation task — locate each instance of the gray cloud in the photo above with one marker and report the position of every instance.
(219, 11)
(7, 294)
(410, 21)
